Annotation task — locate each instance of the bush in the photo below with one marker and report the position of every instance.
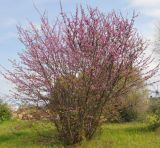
(154, 106)
(128, 108)
(153, 121)
(136, 105)
(153, 117)
(76, 65)
(5, 112)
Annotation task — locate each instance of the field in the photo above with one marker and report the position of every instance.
(24, 134)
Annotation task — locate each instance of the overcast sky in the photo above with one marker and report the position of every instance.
(13, 12)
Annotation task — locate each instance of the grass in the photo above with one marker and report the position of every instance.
(129, 135)
(20, 134)
(24, 134)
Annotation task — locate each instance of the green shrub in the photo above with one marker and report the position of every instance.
(154, 106)
(5, 112)
(153, 121)
(153, 118)
(132, 106)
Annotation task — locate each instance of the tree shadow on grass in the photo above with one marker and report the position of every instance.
(137, 129)
(12, 137)
(46, 139)
(49, 138)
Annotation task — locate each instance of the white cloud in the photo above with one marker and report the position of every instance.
(5, 86)
(146, 3)
(152, 12)
(48, 1)
(7, 22)
(148, 7)
(7, 37)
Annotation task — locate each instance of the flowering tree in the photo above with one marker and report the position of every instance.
(76, 65)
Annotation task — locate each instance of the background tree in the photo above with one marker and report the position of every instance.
(131, 106)
(75, 65)
(5, 111)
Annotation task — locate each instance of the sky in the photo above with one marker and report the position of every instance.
(18, 12)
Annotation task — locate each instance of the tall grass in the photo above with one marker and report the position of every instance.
(23, 134)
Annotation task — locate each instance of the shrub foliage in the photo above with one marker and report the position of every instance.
(153, 121)
(5, 112)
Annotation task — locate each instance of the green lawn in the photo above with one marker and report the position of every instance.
(21, 134)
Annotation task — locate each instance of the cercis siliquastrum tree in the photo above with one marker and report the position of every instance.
(76, 65)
